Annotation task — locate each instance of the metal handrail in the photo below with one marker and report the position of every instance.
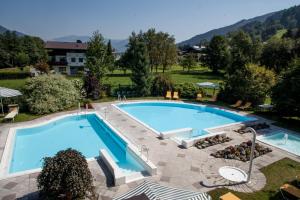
(144, 147)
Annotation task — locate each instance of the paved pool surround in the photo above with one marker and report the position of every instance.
(176, 167)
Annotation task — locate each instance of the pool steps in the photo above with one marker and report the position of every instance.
(122, 176)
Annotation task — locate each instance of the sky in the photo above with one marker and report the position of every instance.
(116, 19)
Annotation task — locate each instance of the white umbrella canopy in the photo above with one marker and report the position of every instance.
(6, 93)
(208, 85)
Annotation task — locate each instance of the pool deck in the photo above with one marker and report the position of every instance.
(190, 169)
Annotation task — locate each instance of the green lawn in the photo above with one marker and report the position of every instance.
(199, 74)
(278, 173)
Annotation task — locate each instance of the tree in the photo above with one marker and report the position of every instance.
(241, 43)
(123, 62)
(10, 44)
(96, 56)
(188, 61)
(91, 86)
(286, 95)
(161, 84)
(251, 83)
(34, 48)
(13, 49)
(65, 175)
(217, 54)
(50, 93)
(42, 66)
(110, 57)
(21, 60)
(139, 61)
(161, 49)
(99, 59)
(277, 54)
(168, 50)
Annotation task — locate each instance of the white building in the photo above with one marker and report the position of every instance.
(67, 57)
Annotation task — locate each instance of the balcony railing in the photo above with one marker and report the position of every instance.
(59, 63)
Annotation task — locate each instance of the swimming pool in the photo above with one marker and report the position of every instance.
(283, 140)
(165, 116)
(85, 133)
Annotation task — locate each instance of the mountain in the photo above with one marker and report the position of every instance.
(3, 30)
(119, 45)
(261, 27)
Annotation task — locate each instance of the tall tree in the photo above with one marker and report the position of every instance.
(285, 95)
(139, 61)
(161, 49)
(110, 57)
(168, 50)
(22, 59)
(217, 55)
(96, 56)
(188, 61)
(277, 54)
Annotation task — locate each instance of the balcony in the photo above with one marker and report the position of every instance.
(58, 63)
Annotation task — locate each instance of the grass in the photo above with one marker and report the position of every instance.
(278, 173)
(199, 74)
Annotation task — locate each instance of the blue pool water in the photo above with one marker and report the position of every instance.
(277, 139)
(85, 133)
(169, 116)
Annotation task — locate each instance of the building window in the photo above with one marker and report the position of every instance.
(73, 59)
(80, 60)
(62, 69)
(62, 59)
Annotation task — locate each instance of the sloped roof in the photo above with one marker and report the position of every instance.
(65, 45)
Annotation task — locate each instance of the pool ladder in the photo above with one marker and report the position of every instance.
(144, 148)
(122, 99)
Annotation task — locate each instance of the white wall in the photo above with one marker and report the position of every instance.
(76, 56)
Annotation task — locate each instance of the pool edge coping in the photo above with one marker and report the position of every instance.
(193, 140)
(9, 143)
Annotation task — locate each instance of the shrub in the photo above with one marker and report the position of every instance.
(92, 86)
(14, 75)
(286, 94)
(251, 83)
(161, 84)
(187, 90)
(50, 93)
(66, 175)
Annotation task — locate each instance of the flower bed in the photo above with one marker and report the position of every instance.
(210, 141)
(241, 152)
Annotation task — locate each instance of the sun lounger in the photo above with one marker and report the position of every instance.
(237, 104)
(229, 196)
(291, 190)
(199, 97)
(246, 106)
(175, 96)
(169, 95)
(12, 114)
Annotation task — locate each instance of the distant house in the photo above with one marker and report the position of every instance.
(66, 57)
(197, 50)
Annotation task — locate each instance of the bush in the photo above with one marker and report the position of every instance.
(50, 93)
(14, 75)
(251, 83)
(286, 94)
(187, 90)
(161, 84)
(92, 86)
(66, 176)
